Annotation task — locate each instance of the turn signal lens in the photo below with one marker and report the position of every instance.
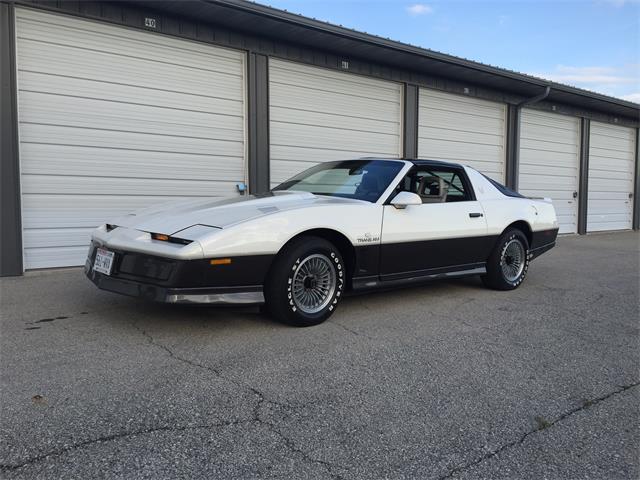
(160, 236)
(220, 261)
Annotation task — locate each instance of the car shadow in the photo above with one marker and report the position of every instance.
(168, 316)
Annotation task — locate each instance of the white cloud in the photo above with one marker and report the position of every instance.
(619, 81)
(632, 97)
(585, 76)
(419, 9)
(618, 3)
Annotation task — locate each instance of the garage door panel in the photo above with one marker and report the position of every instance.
(610, 156)
(602, 165)
(187, 55)
(462, 129)
(554, 148)
(438, 149)
(608, 195)
(449, 135)
(318, 115)
(546, 122)
(562, 161)
(75, 87)
(110, 118)
(88, 137)
(60, 60)
(303, 99)
(78, 112)
(52, 257)
(55, 221)
(96, 185)
(314, 155)
(460, 123)
(545, 171)
(58, 212)
(615, 207)
(611, 177)
(549, 162)
(541, 182)
(319, 136)
(299, 75)
(447, 102)
(44, 237)
(311, 118)
(43, 20)
(86, 161)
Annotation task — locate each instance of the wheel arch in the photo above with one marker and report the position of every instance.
(524, 227)
(340, 240)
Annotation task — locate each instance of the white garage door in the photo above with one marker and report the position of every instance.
(462, 129)
(113, 119)
(550, 162)
(611, 169)
(317, 115)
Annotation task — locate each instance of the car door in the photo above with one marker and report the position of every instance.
(447, 232)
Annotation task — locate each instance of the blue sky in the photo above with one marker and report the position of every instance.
(592, 44)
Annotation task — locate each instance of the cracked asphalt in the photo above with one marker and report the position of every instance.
(447, 380)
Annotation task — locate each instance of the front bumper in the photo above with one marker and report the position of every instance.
(249, 295)
(182, 281)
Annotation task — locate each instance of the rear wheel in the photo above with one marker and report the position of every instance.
(306, 282)
(509, 261)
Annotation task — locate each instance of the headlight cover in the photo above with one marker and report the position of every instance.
(195, 231)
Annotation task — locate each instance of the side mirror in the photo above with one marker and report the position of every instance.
(403, 199)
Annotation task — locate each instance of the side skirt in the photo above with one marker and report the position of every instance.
(536, 252)
(412, 278)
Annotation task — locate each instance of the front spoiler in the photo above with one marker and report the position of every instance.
(243, 295)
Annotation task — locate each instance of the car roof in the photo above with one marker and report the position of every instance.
(422, 162)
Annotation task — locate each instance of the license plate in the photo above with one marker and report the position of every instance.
(103, 261)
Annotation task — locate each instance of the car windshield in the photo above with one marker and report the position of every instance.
(357, 179)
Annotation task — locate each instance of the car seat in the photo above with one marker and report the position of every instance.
(433, 189)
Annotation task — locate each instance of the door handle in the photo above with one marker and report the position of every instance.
(475, 215)
(575, 194)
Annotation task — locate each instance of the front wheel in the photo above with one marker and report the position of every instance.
(306, 282)
(509, 261)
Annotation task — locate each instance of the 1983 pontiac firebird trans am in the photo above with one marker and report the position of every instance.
(338, 227)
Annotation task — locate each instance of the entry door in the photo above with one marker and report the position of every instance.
(423, 239)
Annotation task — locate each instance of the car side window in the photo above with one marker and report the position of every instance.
(436, 185)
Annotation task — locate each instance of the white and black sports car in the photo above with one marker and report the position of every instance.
(337, 227)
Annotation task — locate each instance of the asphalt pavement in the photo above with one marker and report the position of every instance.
(447, 380)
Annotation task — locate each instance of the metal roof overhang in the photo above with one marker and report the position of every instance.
(260, 20)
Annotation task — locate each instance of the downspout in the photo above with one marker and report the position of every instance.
(536, 99)
(513, 160)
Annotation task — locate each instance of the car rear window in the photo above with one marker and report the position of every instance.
(504, 190)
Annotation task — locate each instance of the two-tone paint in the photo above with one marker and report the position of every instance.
(382, 245)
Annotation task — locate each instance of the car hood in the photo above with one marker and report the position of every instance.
(172, 217)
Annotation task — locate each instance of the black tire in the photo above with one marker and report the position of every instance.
(508, 263)
(298, 295)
